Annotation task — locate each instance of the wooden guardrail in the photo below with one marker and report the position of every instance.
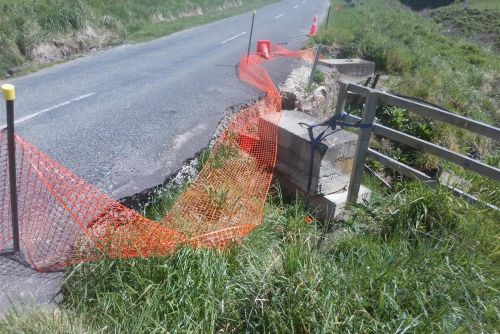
(373, 98)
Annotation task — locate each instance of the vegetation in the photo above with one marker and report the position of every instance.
(457, 75)
(319, 77)
(483, 4)
(415, 261)
(471, 4)
(419, 60)
(481, 25)
(52, 321)
(46, 31)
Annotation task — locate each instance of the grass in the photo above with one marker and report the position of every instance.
(47, 31)
(409, 261)
(423, 4)
(454, 73)
(483, 4)
(415, 261)
(419, 59)
(52, 321)
(479, 24)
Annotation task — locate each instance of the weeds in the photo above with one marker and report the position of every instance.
(420, 211)
(447, 71)
(417, 261)
(483, 25)
(319, 77)
(162, 201)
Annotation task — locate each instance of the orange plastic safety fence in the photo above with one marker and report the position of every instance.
(64, 220)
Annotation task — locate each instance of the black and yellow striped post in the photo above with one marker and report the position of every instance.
(9, 96)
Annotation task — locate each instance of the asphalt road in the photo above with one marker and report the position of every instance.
(127, 118)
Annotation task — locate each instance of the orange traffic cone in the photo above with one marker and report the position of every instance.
(315, 25)
(263, 48)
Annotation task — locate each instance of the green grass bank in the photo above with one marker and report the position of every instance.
(479, 24)
(483, 4)
(418, 58)
(412, 261)
(39, 32)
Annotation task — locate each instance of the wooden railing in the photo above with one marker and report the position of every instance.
(373, 98)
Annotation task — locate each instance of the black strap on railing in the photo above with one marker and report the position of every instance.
(332, 124)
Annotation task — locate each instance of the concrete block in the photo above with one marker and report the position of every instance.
(325, 206)
(323, 185)
(454, 181)
(351, 67)
(329, 206)
(333, 157)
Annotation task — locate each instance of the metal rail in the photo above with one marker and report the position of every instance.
(373, 98)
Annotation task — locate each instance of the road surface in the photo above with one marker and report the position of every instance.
(127, 118)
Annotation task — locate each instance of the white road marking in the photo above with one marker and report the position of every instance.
(303, 2)
(227, 40)
(25, 118)
(278, 16)
(295, 7)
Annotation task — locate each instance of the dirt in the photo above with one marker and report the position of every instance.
(87, 41)
(318, 101)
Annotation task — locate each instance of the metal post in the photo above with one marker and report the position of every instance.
(251, 32)
(362, 148)
(9, 95)
(328, 16)
(341, 98)
(375, 81)
(311, 78)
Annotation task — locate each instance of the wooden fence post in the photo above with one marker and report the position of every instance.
(362, 147)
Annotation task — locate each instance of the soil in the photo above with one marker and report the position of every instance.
(320, 101)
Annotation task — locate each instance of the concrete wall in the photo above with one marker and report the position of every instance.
(332, 163)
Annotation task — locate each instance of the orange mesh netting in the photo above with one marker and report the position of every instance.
(64, 220)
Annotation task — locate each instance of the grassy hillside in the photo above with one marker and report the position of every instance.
(50, 30)
(483, 4)
(421, 4)
(482, 25)
(419, 59)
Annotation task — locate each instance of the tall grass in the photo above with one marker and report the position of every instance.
(52, 321)
(453, 73)
(416, 262)
(483, 4)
